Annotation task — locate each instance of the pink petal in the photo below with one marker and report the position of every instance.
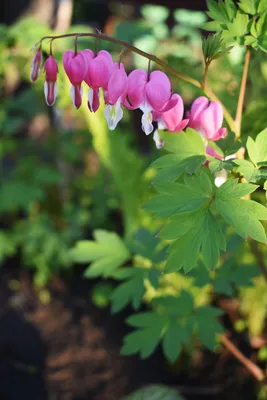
(170, 104)
(78, 69)
(207, 121)
(68, 56)
(51, 69)
(198, 106)
(156, 115)
(217, 111)
(181, 126)
(220, 134)
(158, 90)
(88, 55)
(50, 90)
(173, 117)
(211, 152)
(76, 94)
(93, 100)
(99, 70)
(36, 66)
(137, 80)
(117, 85)
(106, 55)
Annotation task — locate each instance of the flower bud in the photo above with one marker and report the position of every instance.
(36, 66)
(50, 86)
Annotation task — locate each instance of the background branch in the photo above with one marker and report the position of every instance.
(250, 366)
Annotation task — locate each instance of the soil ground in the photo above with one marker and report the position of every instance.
(68, 349)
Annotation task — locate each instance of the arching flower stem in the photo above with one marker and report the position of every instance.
(158, 61)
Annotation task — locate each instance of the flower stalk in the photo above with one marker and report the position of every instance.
(240, 104)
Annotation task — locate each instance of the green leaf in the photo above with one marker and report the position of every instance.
(205, 236)
(177, 198)
(173, 171)
(230, 275)
(245, 168)
(217, 11)
(223, 286)
(207, 325)
(239, 27)
(244, 216)
(155, 13)
(145, 243)
(17, 195)
(108, 252)
(218, 165)
(261, 25)
(184, 144)
(146, 339)
(143, 320)
(209, 312)
(213, 47)
(257, 150)
(172, 341)
(178, 306)
(230, 8)
(265, 188)
(189, 18)
(250, 41)
(178, 226)
(231, 189)
(154, 392)
(212, 26)
(229, 145)
(212, 241)
(263, 43)
(249, 6)
(130, 291)
(262, 6)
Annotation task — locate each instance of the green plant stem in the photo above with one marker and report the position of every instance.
(165, 66)
(205, 79)
(241, 98)
(238, 121)
(250, 366)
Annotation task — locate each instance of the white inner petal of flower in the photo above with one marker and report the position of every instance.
(161, 124)
(158, 141)
(221, 177)
(113, 114)
(90, 98)
(72, 93)
(147, 118)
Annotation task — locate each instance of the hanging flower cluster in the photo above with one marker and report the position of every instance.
(150, 92)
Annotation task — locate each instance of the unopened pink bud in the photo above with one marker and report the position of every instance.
(36, 66)
(50, 86)
(207, 118)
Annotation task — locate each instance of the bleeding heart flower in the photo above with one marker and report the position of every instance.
(221, 176)
(171, 120)
(50, 86)
(149, 93)
(76, 67)
(98, 73)
(36, 66)
(115, 95)
(207, 118)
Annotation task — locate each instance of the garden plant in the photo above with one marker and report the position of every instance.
(192, 212)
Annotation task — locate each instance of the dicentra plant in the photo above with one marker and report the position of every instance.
(208, 186)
